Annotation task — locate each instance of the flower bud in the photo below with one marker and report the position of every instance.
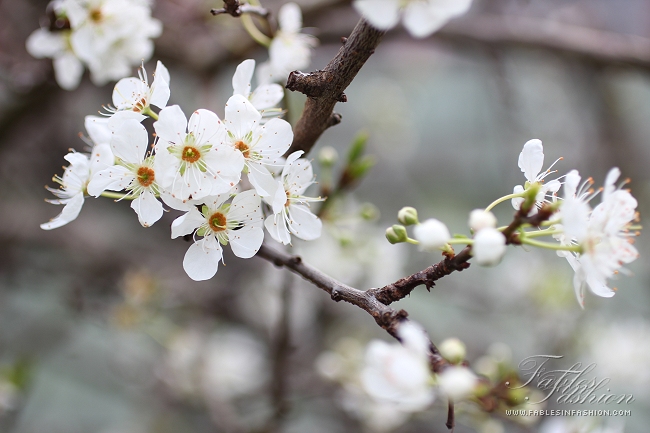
(408, 216)
(431, 234)
(328, 156)
(396, 234)
(480, 219)
(489, 247)
(457, 382)
(369, 212)
(453, 350)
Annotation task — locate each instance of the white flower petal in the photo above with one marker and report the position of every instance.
(241, 81)
(171, 124)
(160, 91)
(128, 92)
(98, 129)
(290, 18)
(148, 208)
(421, 19)
(69, 213)
(267, 96)
(187, 223)
(262, 180)
(246, 241)
(382, 14)
(43, 43)
(130, 142)
(303, 223)
(202, 259)
(531, 159)
(246, 207)
(277, 228)
(275, 139)
(114, 178)
(206, 127)
(241, 116)
(68, 70)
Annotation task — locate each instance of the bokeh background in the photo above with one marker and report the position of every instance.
(102, 331)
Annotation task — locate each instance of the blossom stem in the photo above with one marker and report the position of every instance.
(117, 195)
(550, 246)
(254, 32)
(149, 112)
(504, 198)
(412, 241)
(462, 241)
(547, 232)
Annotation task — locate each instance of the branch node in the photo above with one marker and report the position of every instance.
(342, 98)
(335, 295)
(334, 119)
(343, 40)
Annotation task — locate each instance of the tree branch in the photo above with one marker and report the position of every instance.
(590, 44)
(325, 88)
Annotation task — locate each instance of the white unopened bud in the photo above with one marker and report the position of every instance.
(431, 234)
(480, 219)
(489, 247)
(453, 350)
(457, 382)
(328, 156)
(408, 216)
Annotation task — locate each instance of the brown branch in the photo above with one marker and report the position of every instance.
(236, 9)
(590, 44)
(325, 88)
(370, 300)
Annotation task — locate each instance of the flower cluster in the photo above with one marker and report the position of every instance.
(107, 36)
(596, 242)
(196, 166)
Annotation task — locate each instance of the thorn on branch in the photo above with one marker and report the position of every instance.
(334, 119)
(451, 421)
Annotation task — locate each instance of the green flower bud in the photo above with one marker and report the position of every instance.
(396, 234)
(408, 216)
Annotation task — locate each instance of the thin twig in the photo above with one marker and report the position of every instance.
(236, 9)
(325, 88)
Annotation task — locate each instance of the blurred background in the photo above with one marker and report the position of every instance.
(102, 331)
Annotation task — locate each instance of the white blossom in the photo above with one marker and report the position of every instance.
(489, 246)
(421, 17)
(133, 96)
(111, 36)
(260, 146)
(431, 234)
(531, 161)
(290, 50)
(134, 173)
(75, 179)
(604, 239)
(192, 158)
(291, 213)
(457, 382)
(399, 373)
(219, 223)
